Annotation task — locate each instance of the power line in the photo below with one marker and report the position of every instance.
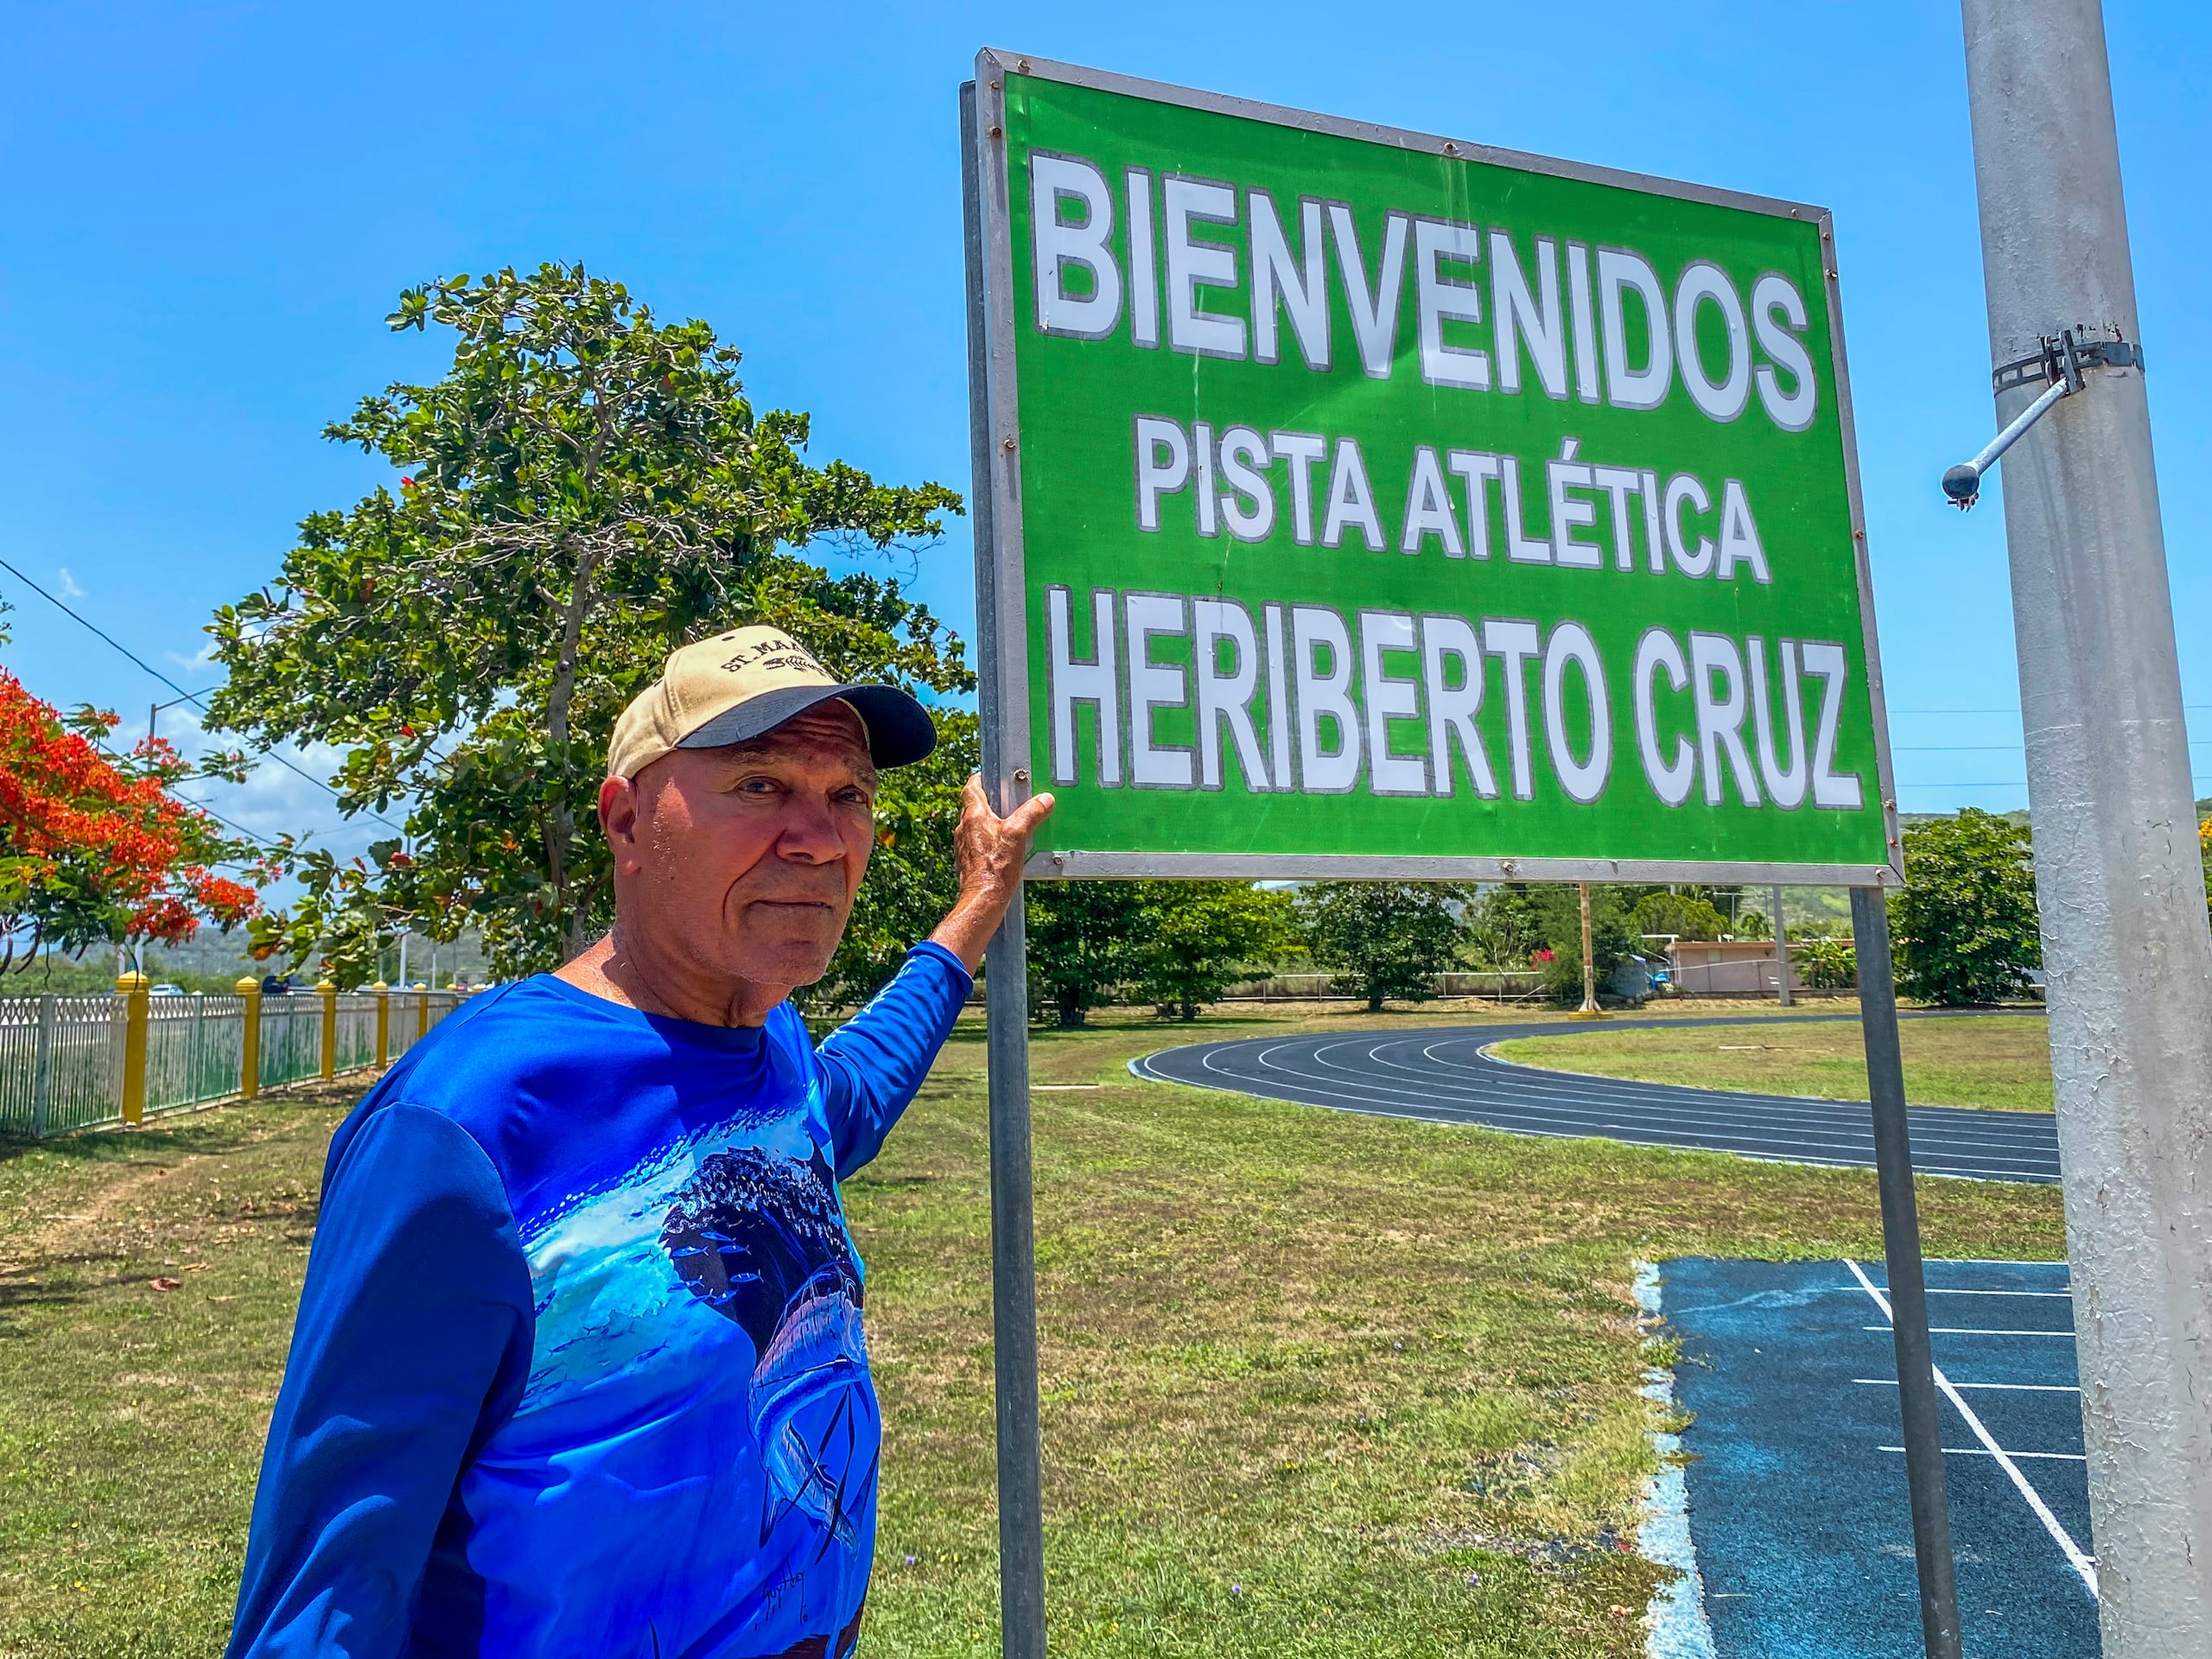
(1994, 748)
(2197, 708)
(201, 806)
(199, 697)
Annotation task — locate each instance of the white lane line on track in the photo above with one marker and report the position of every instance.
(1976, 1452)
(1956, 1290)
(2009, 1388)
(2026, 1487)
(1957, 1126)
(1510, 1115)
(1972, 1330)
(1749, 1126)
(1958, 1118)
(1759, 1108)
(1496, 1113)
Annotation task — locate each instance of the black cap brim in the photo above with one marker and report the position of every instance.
(899, 730)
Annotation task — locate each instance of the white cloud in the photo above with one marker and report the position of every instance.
(68, 584)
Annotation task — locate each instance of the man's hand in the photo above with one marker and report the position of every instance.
(989, 851)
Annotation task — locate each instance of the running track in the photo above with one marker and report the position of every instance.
(1443, 1075)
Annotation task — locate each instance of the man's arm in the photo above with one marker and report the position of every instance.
(872, 1064)
(413, 1341)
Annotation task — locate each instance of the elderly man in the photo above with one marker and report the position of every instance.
(579, 1366)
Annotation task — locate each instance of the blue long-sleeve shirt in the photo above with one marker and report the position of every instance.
(579, 1367)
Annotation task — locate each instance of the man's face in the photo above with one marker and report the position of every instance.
(742, 863)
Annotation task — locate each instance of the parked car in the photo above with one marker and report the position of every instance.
(277, 985)
(166, 989)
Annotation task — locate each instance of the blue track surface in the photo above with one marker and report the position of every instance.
(1797, 1492)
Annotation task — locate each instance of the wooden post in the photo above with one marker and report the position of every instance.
(384, 1020)
(328, 992)
(133, 988)
(1589, 1010)
(421, 1010)
(1780, 953)
(249, 1049)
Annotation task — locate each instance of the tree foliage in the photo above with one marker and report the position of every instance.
(1684, 916)
(1200, 936)
(1175, 945)
(1826, 965)
(1085, 943)
(1965, 922)
(94, 848)
(586, 489)
(1383, 940)
(1503, 928)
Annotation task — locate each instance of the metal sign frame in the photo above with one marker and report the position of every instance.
(1002, 613)
(1000, 592)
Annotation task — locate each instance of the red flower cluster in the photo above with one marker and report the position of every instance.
(85, 843)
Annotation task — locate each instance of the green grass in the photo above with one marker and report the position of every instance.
(1994, 1060)
(1304, 1374)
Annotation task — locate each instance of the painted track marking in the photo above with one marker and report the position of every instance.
(1447, 1076)
(2081, 1562)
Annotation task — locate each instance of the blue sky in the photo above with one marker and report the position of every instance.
(212, 208)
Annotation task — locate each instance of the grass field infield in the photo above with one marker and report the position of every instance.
(1995, 1061)
(1313, 1383)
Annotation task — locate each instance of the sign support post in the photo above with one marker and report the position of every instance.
(1907, 1287)
(1005, 1007)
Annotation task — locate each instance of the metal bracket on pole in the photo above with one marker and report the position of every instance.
(2060, 361)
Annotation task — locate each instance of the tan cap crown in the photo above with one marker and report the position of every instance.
(737, 685)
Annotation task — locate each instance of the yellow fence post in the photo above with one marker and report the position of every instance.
(249, 1049)
(133, 988)
(384, 1020)
(329, 995)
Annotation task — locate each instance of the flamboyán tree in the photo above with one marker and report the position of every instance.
(94, 849)
(585, 490)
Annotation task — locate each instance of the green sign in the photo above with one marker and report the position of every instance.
(1362, 502)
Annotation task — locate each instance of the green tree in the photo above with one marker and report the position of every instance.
(585, 490)
(1504, 928)
(1085, 943)
(1383, 940)
(1200, 936)
(1965, 922)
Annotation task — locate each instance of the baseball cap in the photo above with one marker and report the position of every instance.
(737, 685)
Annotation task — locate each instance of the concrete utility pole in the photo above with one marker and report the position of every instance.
(1780, 953)
(2117, 873)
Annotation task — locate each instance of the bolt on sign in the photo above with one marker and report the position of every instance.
(1368, 503)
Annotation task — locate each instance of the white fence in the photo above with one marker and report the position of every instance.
(65, 1061)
